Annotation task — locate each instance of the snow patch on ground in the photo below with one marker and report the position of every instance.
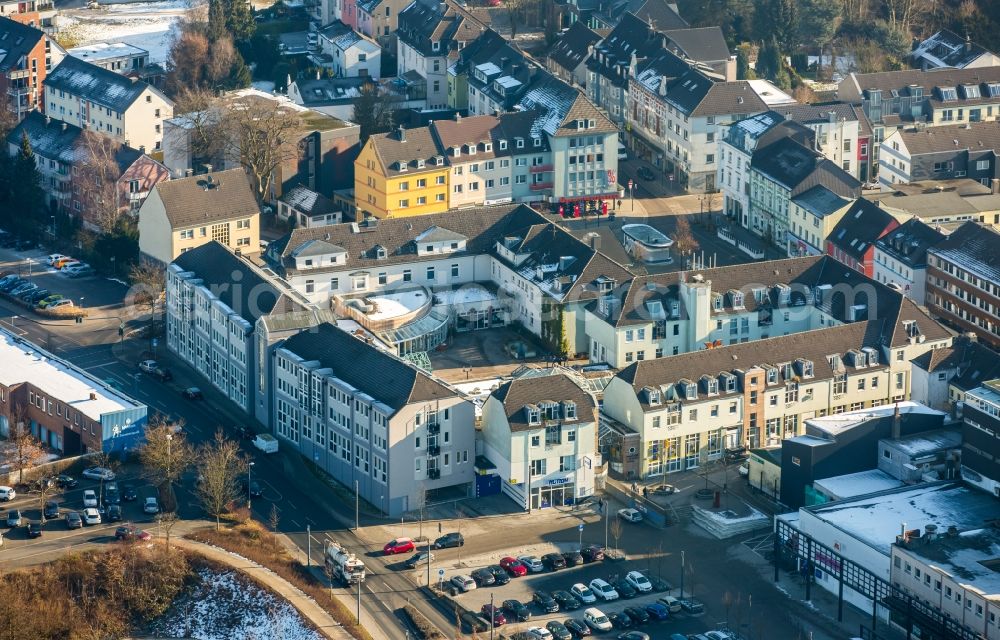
(225, 605)
(148, 25)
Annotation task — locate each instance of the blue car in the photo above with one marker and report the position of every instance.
(657, 611)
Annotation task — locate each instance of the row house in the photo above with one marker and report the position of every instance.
(567, 59)
(540, 432)
(489, 75)
(660, 15)
(378, 19)
(39, 14)
(61, 149)
(941, 153)
(88, 96)
(781, 172)
(66, 408)
(943, 377)
(812, 217)
(841, 133)
(896, 99)
(963, 283)
(688, 409)
(854, 238)
(480, 166)
(29, 56)
(372, 421)
(944, 203)
(430, 35)
(901, 257)
(647, 107)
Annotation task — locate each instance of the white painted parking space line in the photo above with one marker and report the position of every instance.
(296, 523)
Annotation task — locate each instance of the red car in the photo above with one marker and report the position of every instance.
(399, 545)
(494, 615)
(514, 567)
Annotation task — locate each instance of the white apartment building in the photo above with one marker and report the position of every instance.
(541, 434)
(350, 54)
(372, 421)
(901, 258)
(88, 96)
(119, 57)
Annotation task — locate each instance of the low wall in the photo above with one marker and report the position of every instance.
(47, 469)
(742, 245)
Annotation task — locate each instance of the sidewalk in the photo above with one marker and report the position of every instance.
(302, 603)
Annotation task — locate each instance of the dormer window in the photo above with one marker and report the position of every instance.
(717, 302)
(537, 141)
(806, 368)
(759, 294)
(456, 151)
(835, 362)
(550, 411)
(581, 124)
(436, 46)
(710, 385)
(488, 146)
(872, 356)
(690, 389)
(439, 160)
(737, 299)
(519, 143)
(784, 294)
(420, 164)
(569, 410)
(401, 166)
(503, 144)
(534, 414)
(787, 372)
(652, 395)
(380, 253)
(728, 382)
(772, 376)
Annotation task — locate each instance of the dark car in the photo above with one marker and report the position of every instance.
(544, 601)
(592, 553)
(554, 561)
(448, 540)
(8, 285)
(559, 631)
(129, 493)
(483, 577)
(73, 520)
(66, 481)
(192, 393)
(572, 558)
(578, 628)
(659, 584)
(34, 529)
(112, 496)
(500, 575)
(657, 611)
(114, 513)
(633, 635)
(494, 614)
(35, 296)
(163, 374)
(620, 620)
(646, 174)
(516, 610)
(625, 590)
(253, 487)
(692, 607)
(638, 615)
(566, 600)
(664, 490)
(51, 510)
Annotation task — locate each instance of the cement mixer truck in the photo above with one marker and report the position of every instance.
(344, 565)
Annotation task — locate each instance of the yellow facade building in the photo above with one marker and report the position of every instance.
(399, 174)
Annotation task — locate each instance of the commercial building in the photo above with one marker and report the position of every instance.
(980, 444)
(372, 421)
(813, 215)
(127, 110)
(853, 240)
(901, 258)
(480, 166)
(842, 133)
(401, 173)
(489, 75)
(939, 153)
(943, 204)
(541, 434)
(29, 56)
(963, 281)
(180, 215)
(66, 408)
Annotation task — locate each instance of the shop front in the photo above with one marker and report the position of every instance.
(553, 492)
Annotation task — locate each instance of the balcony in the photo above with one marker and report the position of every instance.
(433, 427)
(433, 474)
(541, 186)
(433, 450)
(542, 168)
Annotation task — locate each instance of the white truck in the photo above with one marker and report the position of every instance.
(344, 565)
(266, 443)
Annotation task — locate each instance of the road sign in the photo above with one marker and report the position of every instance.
(630, 183)
(579, 527)
(441, 572)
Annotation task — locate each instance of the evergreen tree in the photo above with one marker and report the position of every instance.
(743, 70)
(781, 22)
(27, 197)
(769, 60)
(216, 19)
(239, 20)
(239, 75)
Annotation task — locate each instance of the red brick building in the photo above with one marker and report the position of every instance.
(29, 54)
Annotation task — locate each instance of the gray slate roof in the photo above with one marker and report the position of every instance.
(307, 201)
(947, 49)
(60, 141)
(557, 388)
(16, 41)
(860, 228)
(96, 84)
(975, 137)
(909, 242)
(208, 198)
(381, 375)
(702, 44)
(572, 48)
(974, 247)
(698, 95)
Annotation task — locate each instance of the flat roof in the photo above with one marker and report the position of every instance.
(926, 443)
(861, 483)
(23, 362)
(972, 557)
(842, 422)
(106, 51)
(876, 519)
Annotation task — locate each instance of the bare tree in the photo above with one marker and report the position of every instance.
(95, 179)
(262, 134)
(200, 110)
(23, 450)
(684, 240)
(46, 488)
(166, 452)
(219, 465)
(616, 531)
(273, 518)
(149, 284)
(167, 520)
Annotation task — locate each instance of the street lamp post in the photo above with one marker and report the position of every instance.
(52, 229)
(357, 507)
(170, 459)
(249, 497)
(682, 575)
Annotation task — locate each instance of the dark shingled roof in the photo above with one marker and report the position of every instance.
(96, 84)
(221, 271)
(852, 87)
(861, 227)
(60, 141)
(657, 13)
(632, 37)
(973, 247)
(975, 137)
(212, 197)
(17, 40)
(557, 388)
(381, 375)
(798, 168)
(818, 113)
(573, 46)
(695, 94)
(909, 242)
(702, 44)
(947, 49)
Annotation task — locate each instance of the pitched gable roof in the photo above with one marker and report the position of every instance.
(975, 247)
(558, 106)
(698, 95)
(404, 148)
(559, 388)
(16, 41)
(702, 44)
(384, 377)
(974, 137)
(98, 85)
(573, 46)
(861, 227)
(61, 141)
(208, 198)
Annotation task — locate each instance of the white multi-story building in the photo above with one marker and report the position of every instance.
(350, 54)
(901, 258)
(541, 433)
(371, 420)
(119, 57)
(88, 96)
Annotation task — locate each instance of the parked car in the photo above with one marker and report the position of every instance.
(99, 473)
(7, 494)
(664, 490)
(114, 513)
(639, 581)
(14, 518)
(112, 496)
(129, 493)
(660, 585)
(620, 620)
(692, 607)
(463, 583)
(500, 576)
(483, 577)
(630, 515)
(572, 558)
(559, 631)
(418, 559)
(34, 529)
(583, 593)
(89, 498)
(51, 510)
(633, 635)
(592, 553)
(73, 520)
(192, 393)
(128, 533)
(538, 633)
(148, 366)
(453, 539)
(625, 590)
(596, 619)
(91, 516)
(672, 604)
(58, 304)
(544, 601)
(603, 590)
(577, 628)
(566, 600)
(554, 561)
(66, 481)
(514, 567)
(79, 271)
(62, 261)
(10, 283)
(52, 258)
(533, 564)
(48, 300)
(398, 545)
(657, 611)
(150, 505)
(637, 614)
(163, 374)
(22, 288)
(69, 264)
(494, 614)
(516, 610)
(38, 296)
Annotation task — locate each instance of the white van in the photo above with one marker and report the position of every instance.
(7, 494)
(622, 151)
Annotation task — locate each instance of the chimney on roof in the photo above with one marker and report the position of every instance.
(318, 72)
(995, 186)
(833, 116)
(93, 395)
(968, 42)
(662, 89)
(48, 119)
(401, 133)
(458, 117)
(896, 423)
(64, 125)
